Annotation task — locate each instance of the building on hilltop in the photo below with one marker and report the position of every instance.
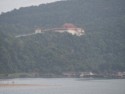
(67, 27)
(38, 30)
(72, 29)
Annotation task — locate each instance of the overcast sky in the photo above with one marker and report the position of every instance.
(7, 5)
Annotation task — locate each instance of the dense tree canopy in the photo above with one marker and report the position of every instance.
(102, 48)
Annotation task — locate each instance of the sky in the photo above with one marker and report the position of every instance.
(8, 5)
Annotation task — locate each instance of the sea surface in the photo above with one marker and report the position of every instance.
(62, 86)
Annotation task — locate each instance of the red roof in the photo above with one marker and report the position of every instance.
(69, 25)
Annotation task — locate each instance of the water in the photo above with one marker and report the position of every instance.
(64, 86)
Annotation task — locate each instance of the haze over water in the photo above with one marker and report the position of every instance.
(64, 86)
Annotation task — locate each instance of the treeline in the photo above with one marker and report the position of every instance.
(101, 49)
(54, 52)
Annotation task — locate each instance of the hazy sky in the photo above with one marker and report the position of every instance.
(7, 5)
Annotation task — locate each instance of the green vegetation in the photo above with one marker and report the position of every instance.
(101, 49)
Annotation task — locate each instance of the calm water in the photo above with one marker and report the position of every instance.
(64, 86)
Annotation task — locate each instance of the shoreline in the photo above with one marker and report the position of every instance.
(27, 85)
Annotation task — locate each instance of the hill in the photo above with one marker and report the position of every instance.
(101, 49)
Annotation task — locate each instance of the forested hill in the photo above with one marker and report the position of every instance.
(93, 15)
(101, 49)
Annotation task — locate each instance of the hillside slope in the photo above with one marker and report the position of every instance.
(102, 48)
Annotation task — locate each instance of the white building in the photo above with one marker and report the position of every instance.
(76, 31)
(38, 30)
(68, 27)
